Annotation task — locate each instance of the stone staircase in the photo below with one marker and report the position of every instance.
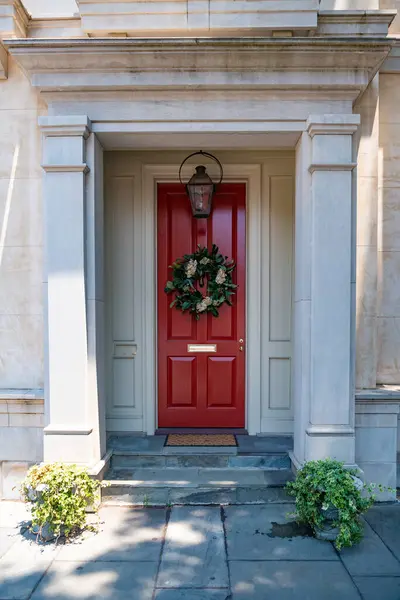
(144, 472)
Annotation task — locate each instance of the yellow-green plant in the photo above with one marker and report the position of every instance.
(59, 495)
(323, 484)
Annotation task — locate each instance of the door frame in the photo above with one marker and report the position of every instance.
(240, 173)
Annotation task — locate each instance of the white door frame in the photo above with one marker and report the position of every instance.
(251, 175)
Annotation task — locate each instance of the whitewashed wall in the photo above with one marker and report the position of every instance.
(124, 274)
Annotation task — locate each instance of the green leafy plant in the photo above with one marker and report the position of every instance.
(323, 485)
(59, 495)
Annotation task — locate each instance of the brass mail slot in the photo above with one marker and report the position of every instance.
(202, 347)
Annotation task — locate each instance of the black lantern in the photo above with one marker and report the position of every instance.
(200, 188)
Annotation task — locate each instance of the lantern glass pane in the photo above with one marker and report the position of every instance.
(200, 199)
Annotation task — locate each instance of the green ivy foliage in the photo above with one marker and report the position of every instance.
(322, 484)
(59, 495)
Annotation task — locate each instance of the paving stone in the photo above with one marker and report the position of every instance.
(385, 520)
(378, 588)
(298, 580)
(130, 461)
(196, 450)
(141, 444)
(7, 538)
(370, 557)
(194, 551)
(278, 478)
(230, 477)
(253, 444)
(247, 529)
(126, 534)
(22, 567)
(129, 494)
(199, 460)
(262, 495)
(202, 496)
(97, 581)
(191, 594)
(13, 514)
(157, 477)
(267, 461)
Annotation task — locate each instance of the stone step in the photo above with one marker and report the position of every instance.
(195, 486)
(195, 459)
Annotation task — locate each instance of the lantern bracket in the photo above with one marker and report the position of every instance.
(207, 155)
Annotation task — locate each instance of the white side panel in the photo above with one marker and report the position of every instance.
(277, 276)
(124, 405)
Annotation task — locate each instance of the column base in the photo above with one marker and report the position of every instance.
(66, 443)
(333, 441)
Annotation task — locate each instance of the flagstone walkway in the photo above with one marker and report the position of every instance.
(199, 553)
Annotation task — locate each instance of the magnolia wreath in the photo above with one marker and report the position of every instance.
(192, 272)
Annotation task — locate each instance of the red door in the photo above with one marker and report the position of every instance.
(201, 389)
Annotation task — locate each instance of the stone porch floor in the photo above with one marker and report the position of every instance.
(199, 553)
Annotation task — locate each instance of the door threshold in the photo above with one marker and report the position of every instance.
(200, 430)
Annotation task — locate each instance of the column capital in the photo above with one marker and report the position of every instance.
(72, 125)
(332, 124)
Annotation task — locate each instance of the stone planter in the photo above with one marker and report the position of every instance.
(328, 531)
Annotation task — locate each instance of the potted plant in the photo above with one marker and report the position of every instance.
(59, 495)
(330, 499)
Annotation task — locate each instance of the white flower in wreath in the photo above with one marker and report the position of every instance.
(221, 277)
(205, 261)
(191, 268)
(204, 304)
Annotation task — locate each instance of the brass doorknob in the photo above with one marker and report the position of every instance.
(240, 348)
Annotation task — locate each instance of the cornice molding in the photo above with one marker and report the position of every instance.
(329, 430)
(65, 168)
(306, 64)
(332, 167)
(67, 430)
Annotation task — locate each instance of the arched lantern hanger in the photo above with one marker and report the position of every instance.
(207, 155)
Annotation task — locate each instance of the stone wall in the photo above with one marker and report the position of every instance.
(21, 238)
(388, 330)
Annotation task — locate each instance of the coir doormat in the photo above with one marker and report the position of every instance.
(194, 439)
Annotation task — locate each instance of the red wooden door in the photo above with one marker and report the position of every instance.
(201, 389)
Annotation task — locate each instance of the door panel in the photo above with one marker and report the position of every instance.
(201, 389)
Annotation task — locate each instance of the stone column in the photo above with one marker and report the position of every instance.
(69, 434)
(324, 291)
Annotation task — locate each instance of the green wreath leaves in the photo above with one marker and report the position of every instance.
(205, 268)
